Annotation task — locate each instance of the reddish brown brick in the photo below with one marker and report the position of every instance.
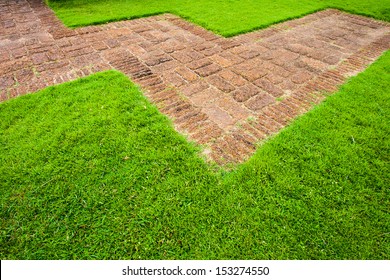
(187, 74)
(220, 83)
(219, 116)
(195, 87)
(208, 70)
(221, 61)
(269, 87)
(259, 101)
(39, 58)
(229, 105)
(243, 93)
(301, 77)
(233, 78)
(206, 96)
(181, 57)
(199, 63)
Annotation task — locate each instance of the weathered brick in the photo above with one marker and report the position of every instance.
(219, 116)
(235, 110)
(39, 58)
(221, 61)
(269, 87)
(248, 54)
(253, 74)
(195, 87)
(208, 70)
(181, 57)
(174, 79)
(233, 78)
(259, 101)
(199, 63)
(220, 83)
(243, 93)
(187, 74)
(301, 77)
(206, 96)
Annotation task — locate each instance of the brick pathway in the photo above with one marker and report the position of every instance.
(227, 94)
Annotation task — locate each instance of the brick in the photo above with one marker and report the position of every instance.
(211, 51)
(187, 74)
(259, 101)
(218, 116)
(275, 78)
(221, 61)
(206, 96)
(195, 87)
(235, 59)
(242, 94)
(269, 87)
(235, 110)
(248, 54)
(199, 64)
(208, 70)
(301, 77)
(332, 59)
(233, 78)
(194, 55)
(166, 66)
(6, 82)
(153, 61)
(174, 79)
(220, 83)
(18, 53)
(39, 58)
(182, 57)
(252, 75)
(288, 86)
(99, 46)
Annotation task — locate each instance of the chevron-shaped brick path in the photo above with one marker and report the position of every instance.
(227, 94)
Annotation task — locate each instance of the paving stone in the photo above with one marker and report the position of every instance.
(39, 58)
(208, 70)
(245, 92)
(252, 74)
(181, 57)
(269, 87)
(301, 77)
(220, 83)
(259, 101)
(187, 74)
(229, 105)
(207, 96)
(221, 61)
(219, 116)
(195, 87)
(199, 63)
(233, 78)
(174, 79)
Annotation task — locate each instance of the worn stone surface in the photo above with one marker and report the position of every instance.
(227, 94)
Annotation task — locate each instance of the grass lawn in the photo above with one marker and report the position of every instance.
(90, 170)
(225, 17)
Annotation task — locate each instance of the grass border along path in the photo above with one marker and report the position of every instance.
(227, 18)
(91, 170)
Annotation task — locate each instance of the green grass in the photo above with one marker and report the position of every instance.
(90, 170)
(225, 17)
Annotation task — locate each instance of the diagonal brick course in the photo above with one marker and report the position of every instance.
(227, 94)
